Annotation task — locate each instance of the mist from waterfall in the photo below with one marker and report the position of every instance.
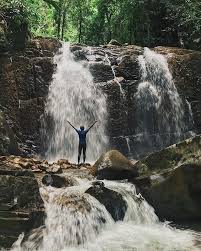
(160, 110)
(73, 96)
(77, 221)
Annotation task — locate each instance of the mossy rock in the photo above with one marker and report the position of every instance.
(187, 151)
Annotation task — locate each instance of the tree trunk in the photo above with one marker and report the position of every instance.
(80, 26)
(80, 30)
(59, 23)
(63, 24)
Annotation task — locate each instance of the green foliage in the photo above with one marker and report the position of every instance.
(143, 22)
(186, 18)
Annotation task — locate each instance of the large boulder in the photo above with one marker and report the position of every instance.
(8, 143)
(58, 181)
(21, 207)
(171, 181)
(175, 194)
(112, 200)
(114, 166)
(171, 157)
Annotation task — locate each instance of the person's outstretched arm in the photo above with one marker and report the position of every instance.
(71, 125)
(92, 125)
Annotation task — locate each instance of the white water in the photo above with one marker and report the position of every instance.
(159, 107)
(128, 146)
(73, 96)
(122, 93)
(78, 222)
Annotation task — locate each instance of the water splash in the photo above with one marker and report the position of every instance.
(76, 221)
(160, 110)
(73, 96)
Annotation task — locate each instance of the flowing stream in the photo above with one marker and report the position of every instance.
(77, 221)
(73, 96)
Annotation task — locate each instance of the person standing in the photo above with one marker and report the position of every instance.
(82, 133)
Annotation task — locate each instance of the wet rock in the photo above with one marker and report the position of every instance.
(21, 207)
(58, 181)
(8, 143)
(101, 72)
(128, 67)
(43, 166)
(114, 166)
(75, 202)
(112, 200)
(54, 168)
(63, 161)
(175, 195)
(24, 78)
(65, 164)
(171, 183)
(21, 163)
(45, 44)
(171, 157)
(75, 47)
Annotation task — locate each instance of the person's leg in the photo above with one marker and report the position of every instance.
(84, 152)
(79, 153)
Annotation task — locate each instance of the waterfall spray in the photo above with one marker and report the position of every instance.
(160, 110)
(73, 96)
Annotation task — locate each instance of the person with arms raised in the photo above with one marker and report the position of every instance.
(82, 133)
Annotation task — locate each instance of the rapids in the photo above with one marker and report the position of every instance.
(76, 221)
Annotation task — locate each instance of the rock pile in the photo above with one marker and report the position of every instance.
(36, 165)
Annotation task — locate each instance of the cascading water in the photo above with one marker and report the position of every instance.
(160, 110)
(76, 221)
(73, 96)
(115, 78)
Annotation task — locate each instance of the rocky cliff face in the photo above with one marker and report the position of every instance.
(121, 62)
(25, 77)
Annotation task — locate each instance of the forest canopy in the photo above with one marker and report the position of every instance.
(94, 22)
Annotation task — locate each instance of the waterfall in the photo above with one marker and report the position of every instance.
(160, 110)
(77, 221)
(73, 96)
